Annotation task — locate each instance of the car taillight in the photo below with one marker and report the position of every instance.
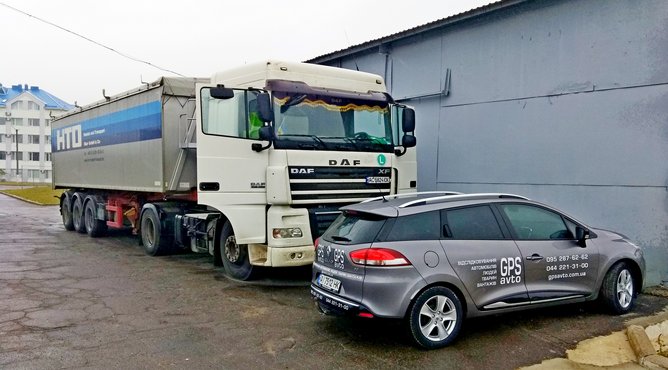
(378, 257)
(315, 245)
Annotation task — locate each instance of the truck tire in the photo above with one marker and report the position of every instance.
(94, 227)
(78, 213)
(66, 212)
(156, 242)
(234, 256)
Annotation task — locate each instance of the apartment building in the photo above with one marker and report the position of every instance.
(25, 132)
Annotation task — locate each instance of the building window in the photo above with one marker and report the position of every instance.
(3, 155)
(33, 156)
(47, 122)
(33, 106)
(33, 122)
(33, 139)
(17, 121)
(18, 155)
(17, 138)
(47, 157)
(47, 139)
(17, 104)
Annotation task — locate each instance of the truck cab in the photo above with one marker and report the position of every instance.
(280, 147)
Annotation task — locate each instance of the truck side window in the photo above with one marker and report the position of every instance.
(235, 117)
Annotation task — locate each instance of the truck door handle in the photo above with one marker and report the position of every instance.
(535, 257)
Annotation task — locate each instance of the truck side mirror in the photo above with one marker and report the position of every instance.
(408, 141)
(408, 120)
(221, 92)
(266, 133)
(264, 107)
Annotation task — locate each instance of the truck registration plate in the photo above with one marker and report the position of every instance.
(377, 180)
(329, 283)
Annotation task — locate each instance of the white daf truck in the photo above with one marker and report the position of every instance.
(250, 165)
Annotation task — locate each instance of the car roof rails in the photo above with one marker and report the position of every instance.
(456, 197)
(406, 195)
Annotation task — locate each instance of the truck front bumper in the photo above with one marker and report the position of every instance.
(262, 255)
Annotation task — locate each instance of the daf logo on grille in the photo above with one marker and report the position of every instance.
(302, 170)
(344, 162)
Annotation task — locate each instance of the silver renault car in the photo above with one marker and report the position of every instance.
(434, 259)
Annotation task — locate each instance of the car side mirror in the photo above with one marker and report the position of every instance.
(581, 234)
(265, 112)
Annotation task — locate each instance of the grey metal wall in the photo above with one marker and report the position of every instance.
(563, 101)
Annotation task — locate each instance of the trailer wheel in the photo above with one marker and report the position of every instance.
(234, 256)
(155, 241)
(66, 212)
(94, 227)
(78, 213)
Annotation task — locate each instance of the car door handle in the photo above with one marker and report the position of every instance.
(534, 257)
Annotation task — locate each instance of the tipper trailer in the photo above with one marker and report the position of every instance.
(250, 165)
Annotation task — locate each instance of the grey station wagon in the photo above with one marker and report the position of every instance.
(434, 259)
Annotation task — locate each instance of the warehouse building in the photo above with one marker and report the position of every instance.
(563, 101)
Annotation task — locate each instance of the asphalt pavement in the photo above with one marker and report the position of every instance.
(71, 301)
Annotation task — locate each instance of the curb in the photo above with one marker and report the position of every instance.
(644, 350)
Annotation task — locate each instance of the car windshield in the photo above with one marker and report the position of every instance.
(327, 122)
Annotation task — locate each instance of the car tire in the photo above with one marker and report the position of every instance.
(435, 318)
(78, 213)
(618, 289)
(234, 256)
(66, 213)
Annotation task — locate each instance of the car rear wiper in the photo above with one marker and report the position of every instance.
(340, 238)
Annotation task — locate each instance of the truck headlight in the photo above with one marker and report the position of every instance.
(284, 233)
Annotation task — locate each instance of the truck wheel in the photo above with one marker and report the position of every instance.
(234, 256)
(78, 213)
(155, 241)
(617, 291)
(435, 318)
(94, 227)
(66, 213)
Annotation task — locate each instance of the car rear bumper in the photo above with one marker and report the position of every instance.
(338, 305)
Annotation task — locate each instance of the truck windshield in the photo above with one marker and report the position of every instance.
(324, 122)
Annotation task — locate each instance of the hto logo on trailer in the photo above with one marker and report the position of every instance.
(511, 270)
(69, 138)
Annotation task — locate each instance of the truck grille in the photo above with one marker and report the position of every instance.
(312, 185)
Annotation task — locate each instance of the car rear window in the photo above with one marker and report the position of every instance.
(354, 228)
(420, 226)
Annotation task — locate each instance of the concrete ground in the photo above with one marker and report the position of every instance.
(70, 301)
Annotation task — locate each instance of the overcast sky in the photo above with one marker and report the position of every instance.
(194, 38)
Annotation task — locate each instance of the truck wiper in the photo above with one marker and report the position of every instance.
(314, 137)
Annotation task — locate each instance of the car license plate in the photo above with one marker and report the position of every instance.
(329, 283)
(377, 180)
